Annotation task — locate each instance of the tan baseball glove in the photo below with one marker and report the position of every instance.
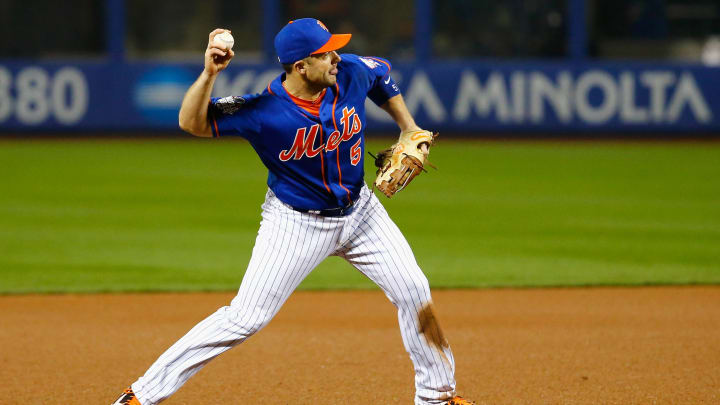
(400, 164)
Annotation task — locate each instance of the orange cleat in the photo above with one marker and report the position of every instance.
(127, 398)
(460, 401)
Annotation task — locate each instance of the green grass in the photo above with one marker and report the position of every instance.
(152, 215)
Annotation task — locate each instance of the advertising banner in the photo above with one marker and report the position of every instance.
(532, 96)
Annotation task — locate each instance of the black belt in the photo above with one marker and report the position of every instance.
(329, 212)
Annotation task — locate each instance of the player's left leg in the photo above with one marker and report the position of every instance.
(288, 246)
(376, 247)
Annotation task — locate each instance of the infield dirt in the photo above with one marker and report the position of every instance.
(657, 345)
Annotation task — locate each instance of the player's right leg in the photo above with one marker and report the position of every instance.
(379, 250)
(287, 248)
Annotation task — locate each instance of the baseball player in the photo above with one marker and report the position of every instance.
(308, 129)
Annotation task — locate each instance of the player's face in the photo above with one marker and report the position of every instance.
(321, 69)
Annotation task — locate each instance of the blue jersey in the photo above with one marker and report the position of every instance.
(313, 163)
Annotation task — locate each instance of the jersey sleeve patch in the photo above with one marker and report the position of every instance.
(229, 105)
(372, 64)
(233, 115)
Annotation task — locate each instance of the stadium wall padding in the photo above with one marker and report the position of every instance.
(470, 96)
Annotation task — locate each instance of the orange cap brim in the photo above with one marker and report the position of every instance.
(336, 42)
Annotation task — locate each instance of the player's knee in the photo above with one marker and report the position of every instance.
(422, 285)
(418, 291)
(248, 320)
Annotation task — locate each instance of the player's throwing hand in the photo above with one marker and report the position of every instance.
(217, 54)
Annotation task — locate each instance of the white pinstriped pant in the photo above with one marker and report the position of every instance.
(289, 245)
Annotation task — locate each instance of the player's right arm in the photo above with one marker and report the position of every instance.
(193, 116)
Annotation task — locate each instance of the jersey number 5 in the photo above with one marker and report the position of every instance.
(356, 152)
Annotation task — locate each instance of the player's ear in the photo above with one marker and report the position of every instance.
(304, 64)
(299, 66)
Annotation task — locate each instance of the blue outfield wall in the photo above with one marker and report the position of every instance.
(528, 96)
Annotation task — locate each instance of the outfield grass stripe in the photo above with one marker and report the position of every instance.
(182, 214)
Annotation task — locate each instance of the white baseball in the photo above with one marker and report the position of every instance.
(224, 38)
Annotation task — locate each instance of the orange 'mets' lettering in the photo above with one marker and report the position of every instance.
(345, 122)
(351, 124)
(333, 140)
(302, 145)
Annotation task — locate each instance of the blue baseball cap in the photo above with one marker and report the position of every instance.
(304, 37)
